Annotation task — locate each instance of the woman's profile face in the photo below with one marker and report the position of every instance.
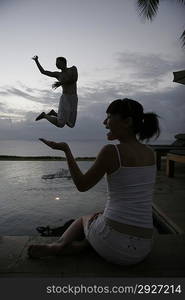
(115, 125)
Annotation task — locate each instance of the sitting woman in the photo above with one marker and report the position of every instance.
(123, 232)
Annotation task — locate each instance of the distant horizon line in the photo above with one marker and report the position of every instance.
(77, 140)
(45, 157)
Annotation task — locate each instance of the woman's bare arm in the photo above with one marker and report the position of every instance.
(85, 181)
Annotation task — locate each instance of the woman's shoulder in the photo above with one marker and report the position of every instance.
(108, 147)
(137, 147)
(138, 154)
(109, 155)
(107, 150)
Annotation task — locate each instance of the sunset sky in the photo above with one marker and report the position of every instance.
(117, 54)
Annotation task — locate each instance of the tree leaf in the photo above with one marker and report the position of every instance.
(182, 37)
(148, 8)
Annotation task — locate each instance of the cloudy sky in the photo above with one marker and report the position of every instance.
(116, 52)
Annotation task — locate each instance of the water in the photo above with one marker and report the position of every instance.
(28, 201)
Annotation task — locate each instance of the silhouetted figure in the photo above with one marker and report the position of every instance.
(67, 78)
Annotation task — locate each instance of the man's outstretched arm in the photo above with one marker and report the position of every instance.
(45, 72)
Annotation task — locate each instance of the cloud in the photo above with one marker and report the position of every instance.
(168, 101)
(148, 66)
(43, 96)
(169, 105)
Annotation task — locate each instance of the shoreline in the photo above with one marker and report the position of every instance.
(48, 158)
(41, 158)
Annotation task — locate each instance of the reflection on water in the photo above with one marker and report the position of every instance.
(28, 201)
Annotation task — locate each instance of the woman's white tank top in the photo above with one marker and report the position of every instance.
(130, 193)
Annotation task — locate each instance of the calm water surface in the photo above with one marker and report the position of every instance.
(28, 201)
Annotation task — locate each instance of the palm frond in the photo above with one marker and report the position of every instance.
(182, 37)
(148, 8)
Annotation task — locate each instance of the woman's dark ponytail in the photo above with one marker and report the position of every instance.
(145, 125)
(149, 127)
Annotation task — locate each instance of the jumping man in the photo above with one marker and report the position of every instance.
(67, 79)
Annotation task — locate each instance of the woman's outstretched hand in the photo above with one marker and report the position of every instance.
(35, 58)
(56, 146)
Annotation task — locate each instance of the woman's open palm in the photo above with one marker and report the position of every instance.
(54, 145)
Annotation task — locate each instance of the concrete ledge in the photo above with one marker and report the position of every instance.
(166, 260)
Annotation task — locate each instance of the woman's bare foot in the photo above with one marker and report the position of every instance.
(57, 249)
(41, 250)
(41, 116)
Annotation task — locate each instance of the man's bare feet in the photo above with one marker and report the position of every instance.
(41, 250)
(41, 116)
